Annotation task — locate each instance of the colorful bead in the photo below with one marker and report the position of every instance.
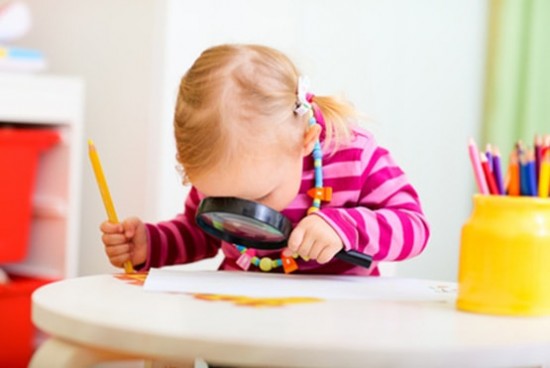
(289, 264)
(244, 261)
(246, 258)
(266, 264)
(323, 194)
(311, 210)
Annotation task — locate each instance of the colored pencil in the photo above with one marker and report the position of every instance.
(527, 172)
(531, 174)
(523, 173)
(488, 174)
(513, 175)
(544, 178)
(105, 194)
(519, 148)
(489, 155)
(476, 165)
(538, 155)
(497, 171)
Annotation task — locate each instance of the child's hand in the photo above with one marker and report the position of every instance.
(315, 239)
(125, 241)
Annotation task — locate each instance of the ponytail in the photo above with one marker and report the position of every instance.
(338, 115)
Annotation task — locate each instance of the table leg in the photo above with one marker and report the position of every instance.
(63, 354)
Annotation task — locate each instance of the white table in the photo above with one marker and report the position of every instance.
(98, 318)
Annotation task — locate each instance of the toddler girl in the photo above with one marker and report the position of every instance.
(246, 127)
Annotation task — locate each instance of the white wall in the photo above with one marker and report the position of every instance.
(414, 67)
(115, 46)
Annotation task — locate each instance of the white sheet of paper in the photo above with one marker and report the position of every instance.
(264, 285)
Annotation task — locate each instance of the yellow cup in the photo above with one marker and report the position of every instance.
(504, 265)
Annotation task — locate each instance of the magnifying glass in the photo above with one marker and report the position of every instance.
(255, 225)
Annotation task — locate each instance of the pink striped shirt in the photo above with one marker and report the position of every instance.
(374, 210)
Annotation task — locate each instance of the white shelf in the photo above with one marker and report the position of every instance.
(56, 102)
(40, 99)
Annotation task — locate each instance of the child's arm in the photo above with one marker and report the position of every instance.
(388, 222)
(179, 240)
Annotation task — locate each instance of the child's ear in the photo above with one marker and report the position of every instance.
(310, 137)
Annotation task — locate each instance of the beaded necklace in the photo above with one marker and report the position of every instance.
(318, 193)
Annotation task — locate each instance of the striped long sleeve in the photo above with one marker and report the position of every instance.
(375, 210)
(179, 240)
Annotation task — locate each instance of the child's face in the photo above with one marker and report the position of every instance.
(268, 178)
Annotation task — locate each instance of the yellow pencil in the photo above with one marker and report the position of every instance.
(544, 175)
(105, 194)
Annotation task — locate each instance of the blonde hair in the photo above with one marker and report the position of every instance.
(257, 86)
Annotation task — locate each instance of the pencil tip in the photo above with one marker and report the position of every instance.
(90, 143)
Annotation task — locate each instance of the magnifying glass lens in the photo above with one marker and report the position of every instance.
(242, 227)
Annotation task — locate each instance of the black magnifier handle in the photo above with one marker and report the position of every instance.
(354, 257)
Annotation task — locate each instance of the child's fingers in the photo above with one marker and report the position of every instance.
(118, 254)
(303, 242)
(287, 252)
(315, 250)
(305, 248)
(130, 225)
(118, 261)
(295, 239)
(326, 254)
(115, 251)
(114, 239)
(110, 228)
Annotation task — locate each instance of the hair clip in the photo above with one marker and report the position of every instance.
(302, 104)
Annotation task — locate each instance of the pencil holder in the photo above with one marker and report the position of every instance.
(504, 265)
